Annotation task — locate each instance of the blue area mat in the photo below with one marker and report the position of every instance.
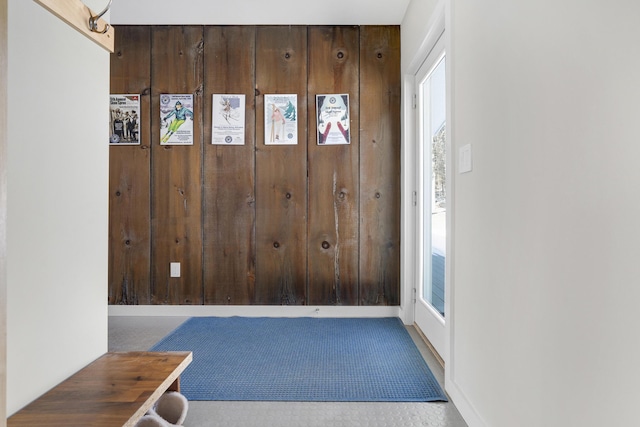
(301, 359)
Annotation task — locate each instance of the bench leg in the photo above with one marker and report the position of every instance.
(175, 386)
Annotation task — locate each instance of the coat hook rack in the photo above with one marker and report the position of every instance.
(93, 20)
(77, 14)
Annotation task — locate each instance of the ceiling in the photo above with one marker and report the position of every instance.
(258, 12)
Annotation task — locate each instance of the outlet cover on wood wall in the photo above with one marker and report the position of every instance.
(175, 269)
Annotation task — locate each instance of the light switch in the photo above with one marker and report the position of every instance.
(175, 269)
(464, 159)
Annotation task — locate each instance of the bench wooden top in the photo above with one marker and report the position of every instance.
(117, 389)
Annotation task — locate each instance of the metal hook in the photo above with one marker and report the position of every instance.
(93, 20)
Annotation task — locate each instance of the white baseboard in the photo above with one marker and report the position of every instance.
(253, 311)
(466, 409)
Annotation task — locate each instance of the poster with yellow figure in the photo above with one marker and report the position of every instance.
(176, 119)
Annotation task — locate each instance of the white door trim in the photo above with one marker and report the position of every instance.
(4, 65)
(408, 258)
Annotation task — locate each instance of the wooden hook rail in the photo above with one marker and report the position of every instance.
(80, 17)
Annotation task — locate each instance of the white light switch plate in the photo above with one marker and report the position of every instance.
(175, 269)
(464, 159)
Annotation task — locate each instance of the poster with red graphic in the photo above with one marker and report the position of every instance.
(332, 112)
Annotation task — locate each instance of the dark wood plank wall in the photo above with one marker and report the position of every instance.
(176, 171)
(334, 56)
(379, 165)
(281, 171)
(229, 172)
(258, 224)
(129, 176)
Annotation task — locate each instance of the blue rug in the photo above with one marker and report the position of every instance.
(301, 359)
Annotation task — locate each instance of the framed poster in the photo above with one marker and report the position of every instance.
(124, 119)
(281, 119)
(227, 120)
(176, 119)
(332, 112)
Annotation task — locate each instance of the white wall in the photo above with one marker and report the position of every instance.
(415, 28)
(546, 243)
(57, 202)
(258, 12)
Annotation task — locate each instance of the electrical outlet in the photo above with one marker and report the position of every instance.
(175, 269)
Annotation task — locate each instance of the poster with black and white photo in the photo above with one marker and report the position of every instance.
(124, 119)
(176, 119)
(281, 119)
(332, 112)
(227, 120)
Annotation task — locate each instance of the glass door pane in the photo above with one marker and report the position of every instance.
(434, 195)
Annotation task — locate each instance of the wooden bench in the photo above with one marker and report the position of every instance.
(117, 389)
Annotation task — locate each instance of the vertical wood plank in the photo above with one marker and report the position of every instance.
(229, 172)
(281, 171)
(334, 199)
(176, 200)
(380, 165)
(129, 175)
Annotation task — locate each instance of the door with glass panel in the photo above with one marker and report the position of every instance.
(431, 198)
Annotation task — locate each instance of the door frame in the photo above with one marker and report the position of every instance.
(410, 212)
(4, 68)
(431, 323)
